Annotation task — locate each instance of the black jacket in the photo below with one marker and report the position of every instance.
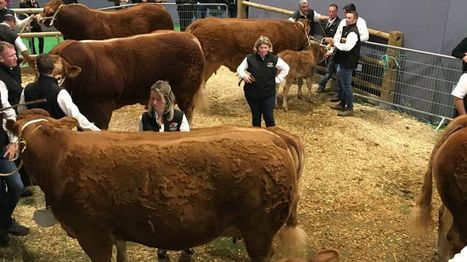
(459, 52)
(45, 87)
(264, 71)
(150, 123)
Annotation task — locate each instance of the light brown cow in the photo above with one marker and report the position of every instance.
(118, 72)
(302, 67)
(448, 166)
(78, 22)
(166, 190)
(227, 41)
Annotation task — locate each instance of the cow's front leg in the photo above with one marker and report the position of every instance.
(285, 95)
(98, 247)
(309, 85)
(299, 87)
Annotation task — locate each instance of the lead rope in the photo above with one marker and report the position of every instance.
(23, 142)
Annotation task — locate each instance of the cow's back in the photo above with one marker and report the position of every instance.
(228, 41)
(76, 21)
(119, 72)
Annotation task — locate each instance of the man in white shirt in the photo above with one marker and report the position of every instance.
(59, 102)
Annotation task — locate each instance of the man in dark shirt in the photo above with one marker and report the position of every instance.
(304, 12)
(460, 91)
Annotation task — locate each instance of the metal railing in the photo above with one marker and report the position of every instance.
(420, 83)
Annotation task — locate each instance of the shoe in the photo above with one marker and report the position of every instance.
(337, 107)
(345, 113)
(162, 254)
(17, 229)
(27, 192)
(4, 239)
(335, 99)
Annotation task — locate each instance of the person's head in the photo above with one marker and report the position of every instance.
(161, 99)
(8, 54)
(10, 20)
(45, 64)
(347, 8)
(332, 11)
(351, 17)
(263, 46)
(302, 5)
(3, 4)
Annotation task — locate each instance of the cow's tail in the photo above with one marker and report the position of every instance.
(420, 218)
(292, 237)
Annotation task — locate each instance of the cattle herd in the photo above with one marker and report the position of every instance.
(167, 190)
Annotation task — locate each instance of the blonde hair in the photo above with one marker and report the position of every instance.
(163, 88)
(262, 40)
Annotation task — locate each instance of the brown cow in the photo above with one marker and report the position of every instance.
(302, 66)
(227, 41)
(166, 190)
(78, 22)
(448, 165)
(118, 72)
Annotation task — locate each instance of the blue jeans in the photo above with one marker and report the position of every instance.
(344, 83)
(11, 188)
(262, 106)
(324, 80)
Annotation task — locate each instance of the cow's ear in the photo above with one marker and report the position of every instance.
(68, 122)
(326, 255)
(12, 126)
(73, 71)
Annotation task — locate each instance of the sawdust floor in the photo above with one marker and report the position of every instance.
(361, 176)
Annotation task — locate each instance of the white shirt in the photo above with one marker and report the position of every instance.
(184, 126)
(350, 42)
(281, 66)
(8, 113)
(69, 108)
(362, 30)
(460, 257)
(20, 46)
(461, 88)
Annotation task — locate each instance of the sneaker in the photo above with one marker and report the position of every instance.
(4, 239)
(335, 99)
(17, 229)
(337, 107)
(345, 113)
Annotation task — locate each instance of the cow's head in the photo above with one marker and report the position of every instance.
(49, 11)
(26, 117)
(63, 69)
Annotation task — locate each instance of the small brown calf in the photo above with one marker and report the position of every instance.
(302, 66)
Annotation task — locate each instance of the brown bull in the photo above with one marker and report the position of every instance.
(78, 22)
(105, 75)
(227, 41)
(166, 190)
(448, 166)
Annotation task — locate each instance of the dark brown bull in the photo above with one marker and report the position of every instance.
(227, 41)
(105, 75)
(448, 166)
(166, 190)
(78, 22)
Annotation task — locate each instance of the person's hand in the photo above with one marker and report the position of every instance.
(328, 54)
(11, 151)
(248, 78)
(33, 17)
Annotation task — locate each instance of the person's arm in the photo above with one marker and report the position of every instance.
(70, 109)
(459, 104)
(184, 126)
(242, 73)
(350, 42)
(12, 147)
(460, 257)
(22, 107)
(338, 35)
(294, 16)
(282, 69)
(22, 23)
(317, 17)
(363, 29)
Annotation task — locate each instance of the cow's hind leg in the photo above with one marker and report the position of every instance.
(98, 246)
(285, 95)
(299, 87)
(258, 244)
(309, 85)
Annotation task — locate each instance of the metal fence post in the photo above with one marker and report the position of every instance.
(241, 9)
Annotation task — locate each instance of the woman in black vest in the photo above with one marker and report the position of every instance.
(265, 71)
(161, 115)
